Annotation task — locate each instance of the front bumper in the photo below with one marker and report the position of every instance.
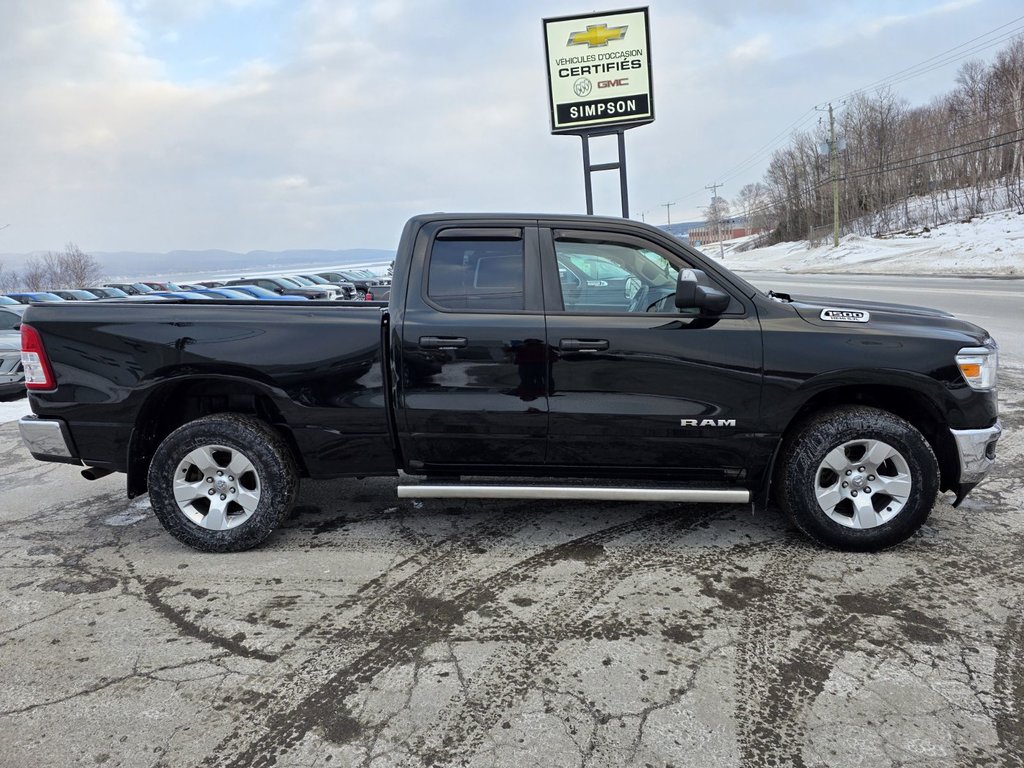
(48, 439)
(977, 451)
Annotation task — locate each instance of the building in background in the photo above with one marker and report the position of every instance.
(698, 233)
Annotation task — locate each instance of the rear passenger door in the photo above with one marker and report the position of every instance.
(473, 367)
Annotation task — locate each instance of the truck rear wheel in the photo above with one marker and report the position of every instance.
(222, 483)
(858, 478)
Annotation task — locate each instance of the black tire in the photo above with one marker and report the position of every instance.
(204, 452)
(827, 469)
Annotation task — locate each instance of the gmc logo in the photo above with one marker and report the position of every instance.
(613, 83)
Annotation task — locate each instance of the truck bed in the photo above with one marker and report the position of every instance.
(119, 363)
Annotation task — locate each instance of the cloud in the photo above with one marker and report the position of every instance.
(339, 119)
(753, 49)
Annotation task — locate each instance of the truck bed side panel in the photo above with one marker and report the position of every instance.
(320, 367)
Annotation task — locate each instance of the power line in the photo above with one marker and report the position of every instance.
(923, 67)
(907, 164)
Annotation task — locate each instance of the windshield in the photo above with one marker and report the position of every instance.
(287, 282)
(109, 293)
(142, 288)
(316, 279)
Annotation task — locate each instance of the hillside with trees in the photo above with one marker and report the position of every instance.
(898, 166)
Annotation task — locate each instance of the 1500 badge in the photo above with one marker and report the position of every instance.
(845, 315)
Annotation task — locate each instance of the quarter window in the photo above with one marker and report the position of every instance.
(477, 274)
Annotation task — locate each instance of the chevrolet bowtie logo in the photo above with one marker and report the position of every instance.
(597, 35)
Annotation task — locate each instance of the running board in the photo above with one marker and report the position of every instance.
(572, 493)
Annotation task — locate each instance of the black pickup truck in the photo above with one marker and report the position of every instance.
(523, 356)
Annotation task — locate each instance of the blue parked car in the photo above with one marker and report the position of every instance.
(262, 293)
(27, 297)
(222, 293)
(179, 295)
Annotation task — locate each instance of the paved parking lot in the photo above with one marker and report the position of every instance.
(376, 632)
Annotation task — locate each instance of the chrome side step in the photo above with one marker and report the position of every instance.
(572, 493)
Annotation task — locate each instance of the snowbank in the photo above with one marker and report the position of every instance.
(987, 245)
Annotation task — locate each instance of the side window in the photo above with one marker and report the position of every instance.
(611, 277)
(477, 274)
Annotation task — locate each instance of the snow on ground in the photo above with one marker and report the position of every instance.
(987, 245)
(12, 410)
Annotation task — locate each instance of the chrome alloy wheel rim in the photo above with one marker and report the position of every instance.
(863, 484)
(216, 487)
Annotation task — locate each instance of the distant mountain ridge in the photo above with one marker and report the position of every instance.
(133, 264)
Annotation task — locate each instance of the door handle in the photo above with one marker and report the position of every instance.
(583, 345)
(443, 342)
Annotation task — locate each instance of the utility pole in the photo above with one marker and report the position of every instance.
(833, 157)
(668, 212)
(718, 217)
(834, 152)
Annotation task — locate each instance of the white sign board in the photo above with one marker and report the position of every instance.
(599, 71)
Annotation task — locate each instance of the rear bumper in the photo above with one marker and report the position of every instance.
(48, 439)
(977, 451)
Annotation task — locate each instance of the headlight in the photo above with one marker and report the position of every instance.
(978, 365)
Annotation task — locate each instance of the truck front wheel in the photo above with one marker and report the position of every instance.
(858, 478)
(222, 483)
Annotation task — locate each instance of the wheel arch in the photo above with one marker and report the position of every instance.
(176, 402)
(911, 405)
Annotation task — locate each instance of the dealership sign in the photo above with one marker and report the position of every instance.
(599, 71)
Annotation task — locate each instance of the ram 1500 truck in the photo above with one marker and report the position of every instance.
(523, 356)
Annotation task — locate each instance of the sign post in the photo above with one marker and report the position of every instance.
(600, 83)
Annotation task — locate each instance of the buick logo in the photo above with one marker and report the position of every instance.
(582, 87)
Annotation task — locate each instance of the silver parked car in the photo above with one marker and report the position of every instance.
(12, 377)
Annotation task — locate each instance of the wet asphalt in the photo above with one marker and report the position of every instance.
(370, 631)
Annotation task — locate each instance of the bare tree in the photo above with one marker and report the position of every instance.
(9, 280)
(36, 275)
(1008, 75)
(753, 202)
(76, 269)
(716, 215)
(70, 268)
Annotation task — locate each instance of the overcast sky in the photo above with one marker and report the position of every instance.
(151, 125)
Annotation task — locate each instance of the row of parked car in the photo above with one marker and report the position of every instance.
(334, 285)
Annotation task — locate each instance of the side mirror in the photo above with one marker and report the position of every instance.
(690, 294)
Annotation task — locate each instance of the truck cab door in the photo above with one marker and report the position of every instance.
(472, 369)
(637, 384)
